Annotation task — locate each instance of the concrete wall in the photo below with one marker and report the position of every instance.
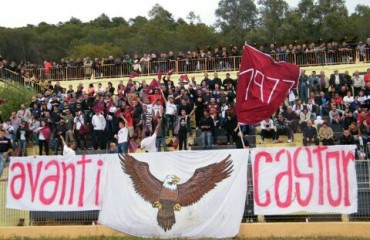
(250, 230)
(199, 76)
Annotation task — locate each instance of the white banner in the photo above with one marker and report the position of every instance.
(312, 179)
(55, 183)
(176, 194)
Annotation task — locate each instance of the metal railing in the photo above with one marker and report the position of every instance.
(10, 217)
(363, 213)
(7, 75)
(192, 65)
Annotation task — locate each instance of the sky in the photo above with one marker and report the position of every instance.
(24, 12)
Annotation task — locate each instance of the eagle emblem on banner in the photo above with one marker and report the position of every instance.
(169, 196)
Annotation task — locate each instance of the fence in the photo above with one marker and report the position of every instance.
(312, 58)
(8, 75)
(9, 217)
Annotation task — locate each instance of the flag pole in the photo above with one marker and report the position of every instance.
(241, 136)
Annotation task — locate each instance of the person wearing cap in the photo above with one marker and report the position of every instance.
(5, 150)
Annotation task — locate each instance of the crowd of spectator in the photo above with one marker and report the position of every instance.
(117, 118)
(328, 109)
(219, 58)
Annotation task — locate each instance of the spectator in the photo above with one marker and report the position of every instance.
(282, 128)
(207, 125)
(310, 135)
(326, 135)
(5, 150)
(21, 138)
(161, 135)
(99, 123)
(358, 82)
(24, 114)
(364, 133)
(122, 136)
(60, 131)
(149, 142)
(336, 116)
(314, 82)
(44, 137)
(303, 84)
(367, 75)
(304, 117)
(291, 118)
(68, 151)
(112, 148)
(336, 80)
(183, 127)
(267, 130)
(346, 138)
(324, 82)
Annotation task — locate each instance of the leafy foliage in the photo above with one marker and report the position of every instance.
(261, 22)
(14, 96)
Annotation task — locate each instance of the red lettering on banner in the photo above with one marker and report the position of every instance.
(34, 182)
(50, 188)
(268, 159)
(83, 162)
(308, 176)
(319, 150)
(21, 177)
(53, 179)
(97, 183)
(335, 156)
(304, 170)
(347, 158)
(280, 176)
(72, 169)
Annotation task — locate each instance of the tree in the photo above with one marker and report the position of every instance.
(161, 15)
(75, 21)
(118, 21)
(332, 19)
(272, 13)
(192, 18)
(360, 21)
(102, 21)
(235, 18)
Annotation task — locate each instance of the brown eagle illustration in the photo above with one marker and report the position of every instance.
(168, 196)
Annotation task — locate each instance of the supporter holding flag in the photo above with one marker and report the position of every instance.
(263, 85)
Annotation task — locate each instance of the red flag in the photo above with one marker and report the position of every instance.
(263, 84)
(159, 76)
(184, 77)
(152, 86)
(133, 74)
